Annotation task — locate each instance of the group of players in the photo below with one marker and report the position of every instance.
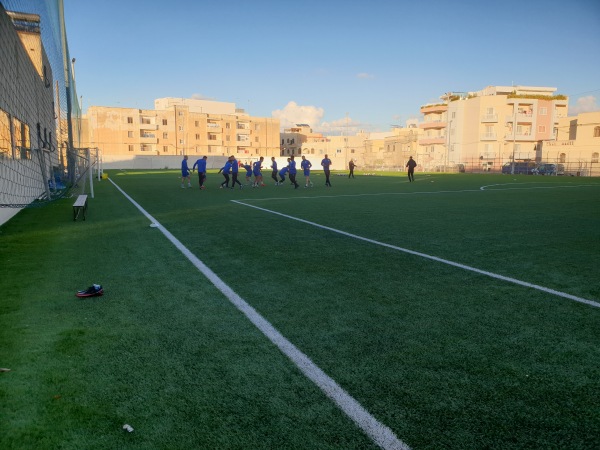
(232, 167)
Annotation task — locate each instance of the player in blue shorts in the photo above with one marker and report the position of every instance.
(185, 173)
(306, 165)
(258, 178)
(248, 168)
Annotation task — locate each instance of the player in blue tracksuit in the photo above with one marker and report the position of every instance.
(185, 172)
(306, 165)
(292, 167)
(282, 173)
(235, 167)
(201, 164)
(258, 178)
(225, 170)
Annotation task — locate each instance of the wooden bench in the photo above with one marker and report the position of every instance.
(80, 205)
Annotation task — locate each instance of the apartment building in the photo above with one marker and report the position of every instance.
(301, 140)
(484, 129)
(577, 145)
(180, 127)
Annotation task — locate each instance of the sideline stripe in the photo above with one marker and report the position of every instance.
(379, 433)
(434, 258)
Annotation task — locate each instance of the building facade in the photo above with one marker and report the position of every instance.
(180, 127)
(485, 129)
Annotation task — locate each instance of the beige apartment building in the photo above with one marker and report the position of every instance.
(577, 145)
(485, 129)
(301, 140)
(179, 127)
(391, 150)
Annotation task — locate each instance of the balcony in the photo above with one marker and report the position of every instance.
(488, 137)
(148, 123)
(427, 109)
(523, 136)
(521, 117)
(148, 138)
(434, 124)
(214, 127)
(242, 130)
(432, 140)
(489, 118)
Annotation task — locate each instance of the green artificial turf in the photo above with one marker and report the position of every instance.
(445, 357)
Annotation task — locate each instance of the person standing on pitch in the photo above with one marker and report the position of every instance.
(274, 173)
(351, 166)
(292, 167)
(225, 170)
(411, 164)
(201, 163)
(185, 173)
(235, 167)
(326, 162)
(306, 165)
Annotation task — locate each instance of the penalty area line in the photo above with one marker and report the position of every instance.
(378, 432)
(431, 257)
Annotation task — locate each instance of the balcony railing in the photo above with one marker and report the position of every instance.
(489, 118)
(488, 136)
(433, 124)
(432, 140)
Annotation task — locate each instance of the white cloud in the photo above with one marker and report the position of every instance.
(364, 76)
(585, 104)
(292, 114)
(201, 97)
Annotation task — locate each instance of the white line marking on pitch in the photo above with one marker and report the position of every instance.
(378, 432)
(434, 258)
(482, 188)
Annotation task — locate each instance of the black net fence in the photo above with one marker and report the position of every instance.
(40, 115)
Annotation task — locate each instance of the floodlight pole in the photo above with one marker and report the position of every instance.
(512, 168)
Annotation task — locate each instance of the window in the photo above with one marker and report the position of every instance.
(562, 157)
(130, 147)
(145, 148)
(490, 111)
(541, 128)
(595, 157)
(5, 139)
(181, 141)
(180, 113)
(197, 136)
(165, 149)
(130, 120)
(228, 126)
(597, 132)
(196, 123)
(180, 127)
(352, 151)
(227, 138)
(256, 139)
(164, 121)
(130, 134)
(543, 111)
(165, 135)
(257, 127)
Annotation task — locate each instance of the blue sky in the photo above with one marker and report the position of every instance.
(333, 64)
